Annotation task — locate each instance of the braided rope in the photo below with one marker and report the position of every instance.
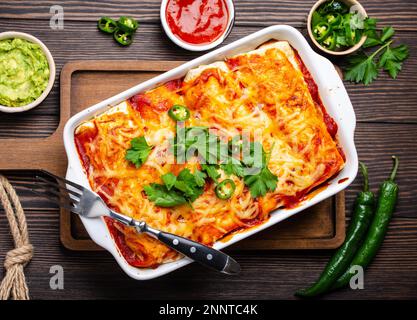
(14, 282)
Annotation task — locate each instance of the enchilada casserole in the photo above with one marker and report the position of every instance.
(127, 152)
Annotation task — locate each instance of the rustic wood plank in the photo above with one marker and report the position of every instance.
(95, 275)
(372, 103)
(376, 143)
(400, 14)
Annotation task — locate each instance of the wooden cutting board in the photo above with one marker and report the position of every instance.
(85, 83)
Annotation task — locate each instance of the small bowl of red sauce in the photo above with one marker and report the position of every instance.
(197, 25)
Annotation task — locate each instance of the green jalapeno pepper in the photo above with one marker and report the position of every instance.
(179, 113)
(225, 189)
(350, 34)
(127, 24)
(321, 30)
(387, 198)
(329, 42)
(107, 25)
(361, 220)
(333, 19)
(122, 37)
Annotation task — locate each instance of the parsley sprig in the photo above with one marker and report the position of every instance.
(187, 186)
(363, 68)
(256, 174)
(139, 151)
(176, 190)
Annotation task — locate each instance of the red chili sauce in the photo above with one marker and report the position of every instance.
(197, 21)
(343, 180)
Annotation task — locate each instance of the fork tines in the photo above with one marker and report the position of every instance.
(65, 193)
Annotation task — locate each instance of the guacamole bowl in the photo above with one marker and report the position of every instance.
(31, 85)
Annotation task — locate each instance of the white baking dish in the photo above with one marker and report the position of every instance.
(332, 92)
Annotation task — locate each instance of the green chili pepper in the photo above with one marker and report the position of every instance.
(122, 37)
(350, 34)
(127, 24)
(179, 113)
(388, 194)
(329, 42)
(321, 30)
(107, 25)
(225, 189)
(359, 225)
(333, 18)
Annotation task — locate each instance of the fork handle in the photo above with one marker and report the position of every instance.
(198, 252)
(202, 254)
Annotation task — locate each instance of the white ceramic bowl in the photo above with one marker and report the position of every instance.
(194, 47)
(28, 37)
(334, 97)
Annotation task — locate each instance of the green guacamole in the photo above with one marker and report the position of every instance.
(24, 72)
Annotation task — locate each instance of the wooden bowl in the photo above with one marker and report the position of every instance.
(350, 50)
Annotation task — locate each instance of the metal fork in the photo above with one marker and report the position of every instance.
(88, 204)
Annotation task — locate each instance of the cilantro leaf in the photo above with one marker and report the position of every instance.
(392, 58)
(399, 53)
(200, 177)
(162, 197)
(169, 180)
(261, 180)
(361, 68)
(372, 37)
(211, 171)
(370, 24)
(233, 166)
(176, 190)
(316, 18)
(356, 21)
(197, 141)
(364, 68)
(387, 33)
(372, 40)
(261, 183)
(138, 152)
(341, 41)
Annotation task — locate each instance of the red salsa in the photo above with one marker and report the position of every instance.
(197, 21)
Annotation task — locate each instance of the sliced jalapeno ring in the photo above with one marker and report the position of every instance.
(330, 41)
(127, 24)
(107, 25)
(179, 113)
(333, 19)
(122, 37)
(225, 189)
(321, 30)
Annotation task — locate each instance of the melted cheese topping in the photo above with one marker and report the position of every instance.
(264, 90)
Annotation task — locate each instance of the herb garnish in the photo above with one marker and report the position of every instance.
(176, 190)
(364, 68)
(139, 151)
(240, 157)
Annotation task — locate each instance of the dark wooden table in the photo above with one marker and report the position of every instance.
(387, 124)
